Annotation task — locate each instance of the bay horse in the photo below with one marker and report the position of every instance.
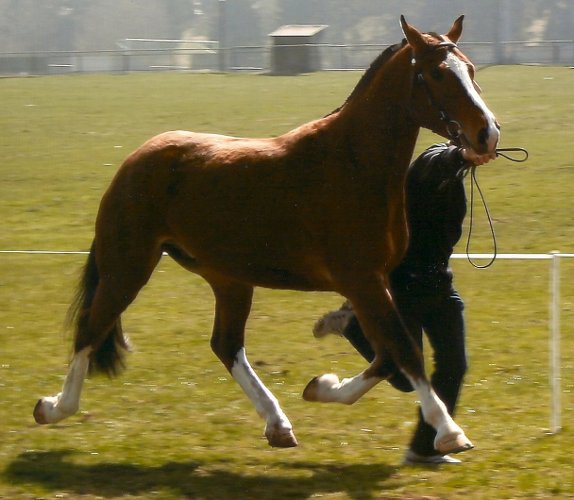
(318, 208)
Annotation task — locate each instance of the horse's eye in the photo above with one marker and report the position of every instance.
(436, 74)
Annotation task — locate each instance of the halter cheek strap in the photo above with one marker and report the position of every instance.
(453, 128)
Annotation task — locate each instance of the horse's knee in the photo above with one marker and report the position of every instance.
(400, 382)
(459, 369)
(389, 371)
(219, 349)
(225, 350)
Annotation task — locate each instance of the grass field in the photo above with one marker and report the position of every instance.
(175, 424)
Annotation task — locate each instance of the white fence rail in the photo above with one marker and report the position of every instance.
(553, 322)
(553, 312)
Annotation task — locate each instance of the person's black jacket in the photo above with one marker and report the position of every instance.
(436, 206)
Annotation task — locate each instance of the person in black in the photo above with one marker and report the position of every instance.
(422, 284)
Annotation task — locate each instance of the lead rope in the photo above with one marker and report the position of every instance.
(473, 181)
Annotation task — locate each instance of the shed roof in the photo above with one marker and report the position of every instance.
(298, 30)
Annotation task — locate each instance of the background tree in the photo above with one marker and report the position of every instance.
(34, 25)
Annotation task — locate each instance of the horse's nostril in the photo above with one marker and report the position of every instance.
(483, 136)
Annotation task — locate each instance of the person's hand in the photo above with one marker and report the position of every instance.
(476, 159)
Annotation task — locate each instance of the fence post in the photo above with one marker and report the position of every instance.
(222, 34)
(554, 340)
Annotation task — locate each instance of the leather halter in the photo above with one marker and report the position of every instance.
(453, 128)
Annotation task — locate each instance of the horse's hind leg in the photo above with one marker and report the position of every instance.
(52, 409)
(386, 332)
(106, 292)
(233, 304)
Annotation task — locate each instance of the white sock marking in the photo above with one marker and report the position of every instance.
(66, 403)
(329, 389)
(434, 410)
(264, 401)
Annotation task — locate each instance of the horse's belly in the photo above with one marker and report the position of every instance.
(260, 263)
(284, 279)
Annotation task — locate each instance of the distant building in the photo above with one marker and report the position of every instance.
(294, 49)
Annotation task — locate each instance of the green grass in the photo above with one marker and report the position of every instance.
(175, 424)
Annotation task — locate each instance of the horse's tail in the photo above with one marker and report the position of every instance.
(109, 351)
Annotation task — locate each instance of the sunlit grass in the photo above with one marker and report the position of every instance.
(175, 424)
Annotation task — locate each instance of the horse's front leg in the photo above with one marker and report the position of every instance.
(233, 304)
(387, 334)
(278, 429)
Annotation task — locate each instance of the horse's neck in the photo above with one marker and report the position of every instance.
(378, 120)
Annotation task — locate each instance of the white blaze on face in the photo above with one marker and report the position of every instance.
(460, 69)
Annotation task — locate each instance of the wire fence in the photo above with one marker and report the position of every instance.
(208, 56)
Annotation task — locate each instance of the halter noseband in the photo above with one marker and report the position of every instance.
(453, 128)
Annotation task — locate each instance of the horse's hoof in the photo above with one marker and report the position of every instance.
(39, 415)
(282, 439)
(315, 390)
(47, 411)
(310, 392)
(454, 443)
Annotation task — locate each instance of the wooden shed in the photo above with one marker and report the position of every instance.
(293, 49)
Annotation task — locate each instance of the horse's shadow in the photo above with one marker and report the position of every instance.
(54, 471)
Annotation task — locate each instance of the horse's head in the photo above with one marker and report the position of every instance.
(446, 97)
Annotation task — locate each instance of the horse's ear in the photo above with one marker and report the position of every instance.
(413, 36)
(456, 30)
